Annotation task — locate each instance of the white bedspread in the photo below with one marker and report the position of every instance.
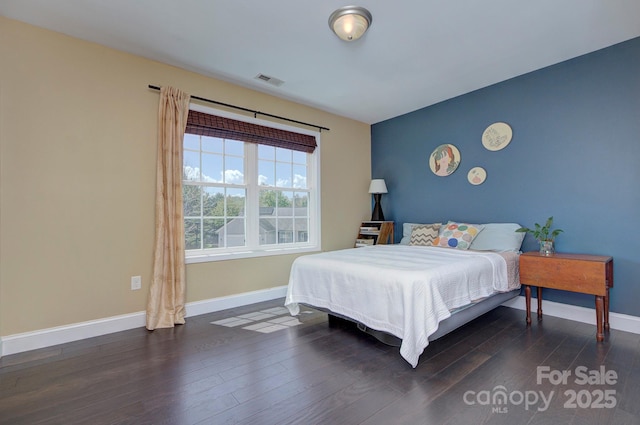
(400, 289)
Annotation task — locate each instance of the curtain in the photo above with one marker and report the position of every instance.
(165, 305)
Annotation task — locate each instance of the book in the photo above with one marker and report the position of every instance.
(369, 229)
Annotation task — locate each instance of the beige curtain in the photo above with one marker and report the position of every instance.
(165, 305)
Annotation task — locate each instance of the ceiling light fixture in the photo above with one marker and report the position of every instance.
(350, 22)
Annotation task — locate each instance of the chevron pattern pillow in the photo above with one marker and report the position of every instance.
(424, 234)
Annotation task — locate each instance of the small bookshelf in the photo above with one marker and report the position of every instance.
(374, 233)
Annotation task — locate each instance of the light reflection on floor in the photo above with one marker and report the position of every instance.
(265, 321)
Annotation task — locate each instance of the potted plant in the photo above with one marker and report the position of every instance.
(544, 235)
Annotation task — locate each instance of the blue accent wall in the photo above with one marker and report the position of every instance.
(575, 155)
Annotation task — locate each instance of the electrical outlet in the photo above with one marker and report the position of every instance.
(136, 282)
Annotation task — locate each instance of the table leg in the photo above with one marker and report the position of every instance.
(599, 318)
(539, 302)
(527, 297)
(606, 311)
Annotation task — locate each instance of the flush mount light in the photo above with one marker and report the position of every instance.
(350, 22)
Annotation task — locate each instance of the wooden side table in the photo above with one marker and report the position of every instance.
(375, 233)
(587, 274)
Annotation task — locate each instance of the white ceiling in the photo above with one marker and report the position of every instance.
(416, 53)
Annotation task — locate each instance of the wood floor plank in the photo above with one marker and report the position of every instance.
(314, 373)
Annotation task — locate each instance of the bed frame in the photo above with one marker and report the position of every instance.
(459, 318)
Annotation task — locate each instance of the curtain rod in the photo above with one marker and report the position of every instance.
(255, 113)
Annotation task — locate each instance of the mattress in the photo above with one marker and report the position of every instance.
(403, 290)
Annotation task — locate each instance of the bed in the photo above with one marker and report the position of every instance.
(413, 293)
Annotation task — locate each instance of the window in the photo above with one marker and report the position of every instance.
(244, 194)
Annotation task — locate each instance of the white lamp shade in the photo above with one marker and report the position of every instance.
(377, 186)
(350, 22)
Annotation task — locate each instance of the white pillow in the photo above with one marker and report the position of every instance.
(500, 237)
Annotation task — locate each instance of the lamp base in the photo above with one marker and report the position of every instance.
(377, 214)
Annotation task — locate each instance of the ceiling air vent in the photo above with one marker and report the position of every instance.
(269, 80)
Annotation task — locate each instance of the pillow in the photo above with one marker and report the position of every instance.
(457, 235)
(500, 237)
(406, 231)
(424, 234)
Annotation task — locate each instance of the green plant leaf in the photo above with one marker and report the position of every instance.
(542, 233)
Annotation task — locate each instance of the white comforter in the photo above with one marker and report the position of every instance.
(400, 289)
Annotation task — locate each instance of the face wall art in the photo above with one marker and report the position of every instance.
(444, 160)
(477, 175)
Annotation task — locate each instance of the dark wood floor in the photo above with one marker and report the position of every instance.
(314, 373)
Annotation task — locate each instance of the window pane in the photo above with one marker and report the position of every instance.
(191, 200)
(191, 141)
(300, 176)
(266, 173)
(267, 231)
(212, 144)
(299, 157)
(211, 168)
(236, 202)
(285, 230)
(283, 155)
(192, 236)
(301, 230)
(234, 147)
(235, 232)
(268, 199)
(191, 166)
(283, 174)
(213, 202)
(266, 152)
(234, 170)
(285, 204)
(211, 233)
(301, 203)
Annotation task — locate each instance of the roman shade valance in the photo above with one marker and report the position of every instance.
(204, 124)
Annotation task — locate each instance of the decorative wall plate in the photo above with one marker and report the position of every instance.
(477, 175)
(444, 160)
(497, 136)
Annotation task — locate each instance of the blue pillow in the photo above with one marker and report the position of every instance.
(500, 237)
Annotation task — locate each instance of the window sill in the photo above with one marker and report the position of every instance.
(224, 256)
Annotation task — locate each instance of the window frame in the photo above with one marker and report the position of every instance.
(251, 214)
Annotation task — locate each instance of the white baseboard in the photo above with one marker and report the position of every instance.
(222, 303)
(19, 343)
(618, 321)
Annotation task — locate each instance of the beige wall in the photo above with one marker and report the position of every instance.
(77, 152)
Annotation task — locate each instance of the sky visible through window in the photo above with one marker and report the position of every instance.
(222, 161)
